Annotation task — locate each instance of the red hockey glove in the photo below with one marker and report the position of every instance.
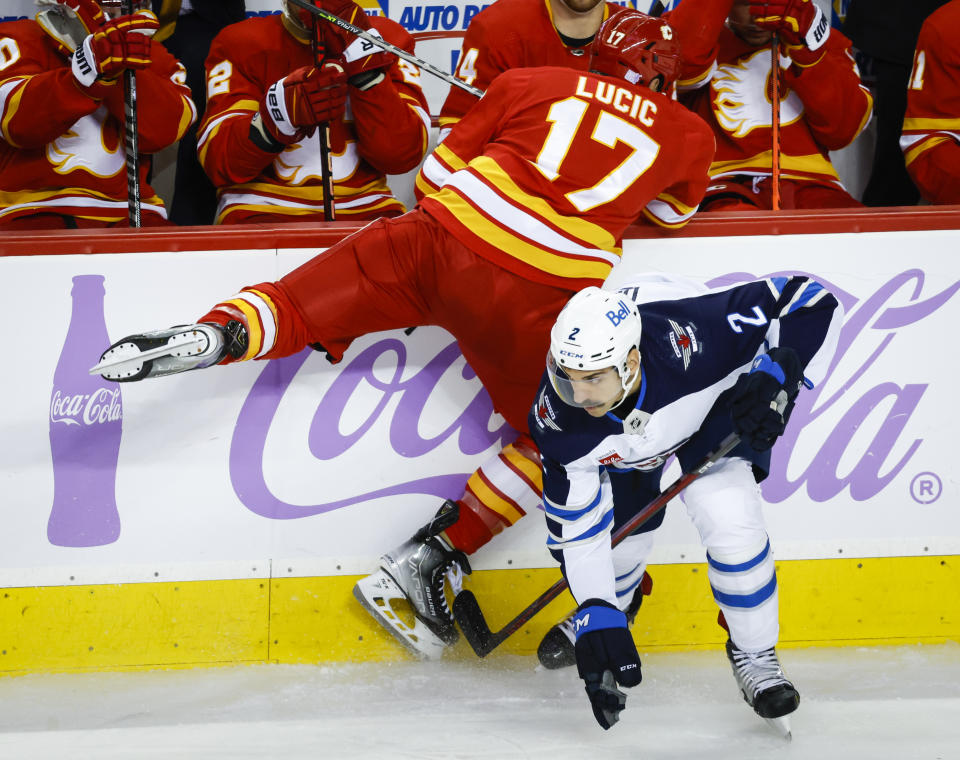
(801, 25)
(365, 62)
(123, 43)
(295, 105)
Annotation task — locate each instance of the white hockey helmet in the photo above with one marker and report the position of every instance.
(596, 329)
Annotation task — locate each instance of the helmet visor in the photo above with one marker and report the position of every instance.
(589, 389)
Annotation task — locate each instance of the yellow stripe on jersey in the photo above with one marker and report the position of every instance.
(493, 500)
(280, 209)
(518, 248)
(273, 310)
(663, 222)
(867, 113)
(423, 186)
(254, 329)
(13, 105)
(812, 164)
(931, 125)
(525, 465)
(451, 159)
(308, 192)
(587, 232)
(100, 205)
(186, 118)
(680, 206)
(922, 147)
(694, 82)
(240, 108)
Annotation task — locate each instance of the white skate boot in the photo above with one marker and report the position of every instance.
(764, 686)
(167, 352)
(414, 574)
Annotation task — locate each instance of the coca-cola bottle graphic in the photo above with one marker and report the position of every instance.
(86, 418)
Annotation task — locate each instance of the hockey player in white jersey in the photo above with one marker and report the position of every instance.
(629, 384)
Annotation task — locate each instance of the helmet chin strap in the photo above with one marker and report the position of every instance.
(627, 381)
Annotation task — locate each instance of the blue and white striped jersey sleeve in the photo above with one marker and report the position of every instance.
(578, 503)
(806, 318)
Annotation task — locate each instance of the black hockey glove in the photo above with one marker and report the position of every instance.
(763, 398)
(606, 656)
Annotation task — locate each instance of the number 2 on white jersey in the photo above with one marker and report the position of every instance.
(566, 117)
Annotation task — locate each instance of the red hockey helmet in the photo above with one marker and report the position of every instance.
(639, 48)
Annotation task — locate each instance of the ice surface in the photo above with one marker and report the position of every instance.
(876, 703)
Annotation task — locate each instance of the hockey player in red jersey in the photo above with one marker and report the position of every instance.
(527, 200)
(266, 161)
(823, 107)
(931, 126)
(511, 34)
(62, 160)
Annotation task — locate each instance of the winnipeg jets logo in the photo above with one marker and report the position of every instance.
(684, 342)
(544, 414)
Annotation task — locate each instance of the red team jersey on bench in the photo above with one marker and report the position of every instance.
(61, 151)
(377, 136)
(931, 126)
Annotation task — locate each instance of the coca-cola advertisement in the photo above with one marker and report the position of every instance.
(86, 425)
(323, 467)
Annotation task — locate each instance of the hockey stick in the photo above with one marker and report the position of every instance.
(775, 122)
(323, 135)
(384, 45)
(131, 142)
(466, 609)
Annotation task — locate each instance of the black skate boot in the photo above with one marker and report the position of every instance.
(556, 648)
(415, 573)
(764, 686)
(168, 352)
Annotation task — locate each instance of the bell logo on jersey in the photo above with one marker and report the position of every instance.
(684, 342)
(616, 317)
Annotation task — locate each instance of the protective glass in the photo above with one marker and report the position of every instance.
(597, 390)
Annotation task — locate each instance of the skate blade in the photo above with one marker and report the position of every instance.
(782, 726)
(375, 593)
(125, 358)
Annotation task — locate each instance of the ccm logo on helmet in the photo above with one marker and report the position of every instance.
(616, 317)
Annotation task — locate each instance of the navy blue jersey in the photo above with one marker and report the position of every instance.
(692, 350)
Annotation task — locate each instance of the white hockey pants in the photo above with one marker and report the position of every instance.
(726, 508)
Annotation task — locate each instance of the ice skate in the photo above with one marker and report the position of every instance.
(556, 648)
(167, 352)
(764, 686)
(414, 576)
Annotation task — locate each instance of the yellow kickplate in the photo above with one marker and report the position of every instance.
(890, 600)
